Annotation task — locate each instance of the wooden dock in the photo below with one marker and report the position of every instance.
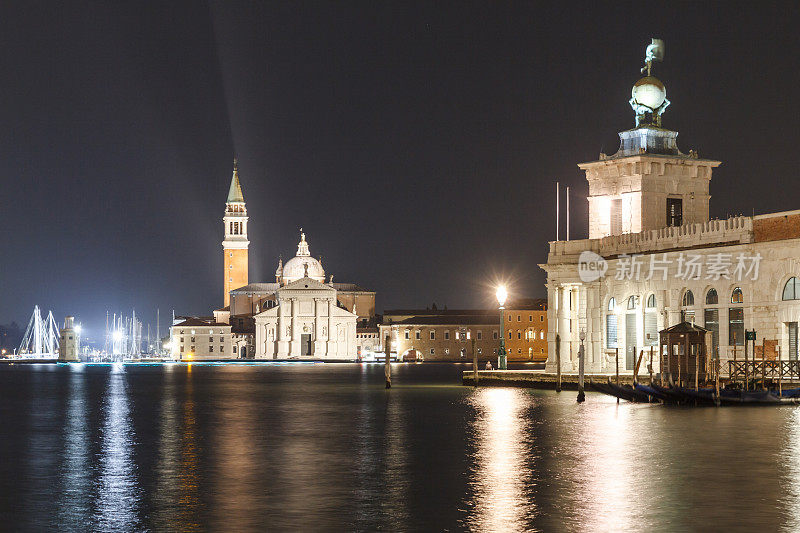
(534, 379)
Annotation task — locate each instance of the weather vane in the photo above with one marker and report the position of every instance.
(654, 52)
(649, 95)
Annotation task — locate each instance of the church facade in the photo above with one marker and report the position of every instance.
(306, 323)
(654, 258)
(301, 315)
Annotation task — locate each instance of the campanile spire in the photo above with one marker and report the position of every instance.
(235, 246)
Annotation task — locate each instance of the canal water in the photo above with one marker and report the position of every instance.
(317, 447)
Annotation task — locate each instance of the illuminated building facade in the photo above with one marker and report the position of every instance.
(526, 330)
(654, 258)
(442, 335)
(196, 339)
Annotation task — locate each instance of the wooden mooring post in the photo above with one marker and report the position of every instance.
(746, 370)
(616, 362)
(558, 363)
(474, 362)
(387, 369)
(735, 373)
(780, 373)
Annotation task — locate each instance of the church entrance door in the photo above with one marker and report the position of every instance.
(305, 344)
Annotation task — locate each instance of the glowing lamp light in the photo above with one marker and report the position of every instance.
(117, 336)
(501, 294)
(78, 329)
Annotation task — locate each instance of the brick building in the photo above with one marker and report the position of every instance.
(525, 329)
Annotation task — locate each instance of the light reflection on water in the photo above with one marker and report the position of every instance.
(76, 472)
(501, 476)
(117, 492)
(326, 447)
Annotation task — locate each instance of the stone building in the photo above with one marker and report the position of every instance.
(245, 301)
(442, 335)
(654, 258)
(68, 347)
(305, 323)
(195, 339)
(525, 328)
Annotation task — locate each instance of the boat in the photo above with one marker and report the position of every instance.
(623, 392)
(652, 392)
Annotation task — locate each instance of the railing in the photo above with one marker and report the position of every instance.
(712, 231)
(754, 370)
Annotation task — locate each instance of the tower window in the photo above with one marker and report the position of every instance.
(674, 212)
(615, 216)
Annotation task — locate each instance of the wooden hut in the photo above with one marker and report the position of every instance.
(684, 348)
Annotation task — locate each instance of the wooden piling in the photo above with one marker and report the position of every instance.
(581, 359)
(746, 370)
(735, 373)
(637, 365)
(616, 360)
(387, 369)
(780, 373)
(558, 363)
(697, 368)
(474, 362)
(650, 368)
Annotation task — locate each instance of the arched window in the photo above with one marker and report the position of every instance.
(651, 322)
(736, 296)
(711, 297)
(791, 291)
(611, 324)
(688, 299)
(632, 302)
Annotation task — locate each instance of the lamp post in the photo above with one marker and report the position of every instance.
(502, 294)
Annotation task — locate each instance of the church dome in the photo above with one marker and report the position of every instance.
(649, 92)
(302, 265)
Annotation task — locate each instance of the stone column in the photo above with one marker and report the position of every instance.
(318, 343)
(331, 344)
(563, 328)
(283, 339)
(295, 348)
(553, 293)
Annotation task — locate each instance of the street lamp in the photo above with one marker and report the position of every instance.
(581, 363)
(501, 294)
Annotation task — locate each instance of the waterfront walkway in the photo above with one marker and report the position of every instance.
(536, 379)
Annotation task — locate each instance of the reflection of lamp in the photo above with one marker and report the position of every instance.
(501, 294)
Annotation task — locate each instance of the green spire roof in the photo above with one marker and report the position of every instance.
(235, 192)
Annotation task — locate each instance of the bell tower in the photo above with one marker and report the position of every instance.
(235, 245)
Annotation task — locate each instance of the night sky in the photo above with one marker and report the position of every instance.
(418, 145)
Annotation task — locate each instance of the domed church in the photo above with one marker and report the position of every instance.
(300, 315)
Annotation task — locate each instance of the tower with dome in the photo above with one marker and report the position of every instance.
(654, 258)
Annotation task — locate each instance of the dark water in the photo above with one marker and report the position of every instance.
(325, 447)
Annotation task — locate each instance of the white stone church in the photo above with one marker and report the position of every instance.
(654, 258)
(306, 321)
(299, 316)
